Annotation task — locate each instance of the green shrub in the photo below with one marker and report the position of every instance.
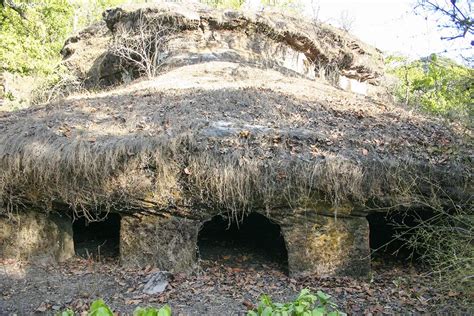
(291, 5)
(445, 242)
(306, 304)
(32, 45)
(435, 84)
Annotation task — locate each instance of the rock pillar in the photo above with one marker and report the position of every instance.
(168, 243)
(327, 245)
(30, 234)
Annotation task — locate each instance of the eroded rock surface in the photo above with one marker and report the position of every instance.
(265, 39)
(29, 235)
(167, 243)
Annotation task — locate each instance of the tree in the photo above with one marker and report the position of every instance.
(31, 45)
(32, 33)
(346, 21)
(143, 46)
(435, 84)
(13, 6)
(452, 15)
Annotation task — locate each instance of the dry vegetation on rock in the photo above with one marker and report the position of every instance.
(222, 144)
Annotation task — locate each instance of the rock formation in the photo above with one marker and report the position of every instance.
(236, 122)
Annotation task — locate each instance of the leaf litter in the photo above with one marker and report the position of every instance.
(230, 285)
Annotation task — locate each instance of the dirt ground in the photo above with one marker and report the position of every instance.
(229, 282)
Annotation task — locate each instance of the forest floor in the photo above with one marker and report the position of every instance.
(229, 282)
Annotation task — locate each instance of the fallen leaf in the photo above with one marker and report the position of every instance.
(249, 305)
(244, 134)
(453, 293)
(42, 308)
(133, 302)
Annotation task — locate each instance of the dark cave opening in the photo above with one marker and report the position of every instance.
(254, 242)
(389, 231)
(99, 239)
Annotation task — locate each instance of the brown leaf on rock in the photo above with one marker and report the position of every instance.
(133, 302)
(244, 134)
(42, 308)
(248, 305)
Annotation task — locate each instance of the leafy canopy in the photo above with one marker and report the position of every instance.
(30, 42)
(436, 84)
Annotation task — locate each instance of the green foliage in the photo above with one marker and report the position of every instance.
(234, 4)
(289, 6)
(435, 84)
(306, 304)
(67, 312)
(32, 45)
(99, 308)
(151, 311)
(237, 4)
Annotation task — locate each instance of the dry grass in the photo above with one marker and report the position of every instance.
(219, 146)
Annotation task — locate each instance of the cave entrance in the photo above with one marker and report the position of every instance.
(98, 240)
(256, 243)
(385, 229)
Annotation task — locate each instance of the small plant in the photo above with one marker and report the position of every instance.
(9, 96)
(99, 308)
(151, 311)
(67, 312)
(306, 304)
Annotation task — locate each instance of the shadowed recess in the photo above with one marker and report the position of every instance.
(97, 240)
(389, 234)
(254, 242)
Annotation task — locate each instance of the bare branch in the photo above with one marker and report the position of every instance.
(144, 45)
(457, 16)
(346, 21)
